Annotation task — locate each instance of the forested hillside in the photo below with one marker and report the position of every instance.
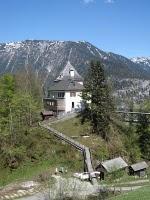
(25, 149)
(20, 102)
(23, 145)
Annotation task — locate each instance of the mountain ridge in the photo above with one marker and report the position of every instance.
(143, 61)
(49, 57)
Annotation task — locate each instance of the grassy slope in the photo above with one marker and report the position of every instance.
(100, 149)
(72, 127)
(140, 194)
(51, 153)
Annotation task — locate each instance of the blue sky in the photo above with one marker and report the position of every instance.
(120, 26)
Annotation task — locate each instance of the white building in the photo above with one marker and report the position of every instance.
(64, 95)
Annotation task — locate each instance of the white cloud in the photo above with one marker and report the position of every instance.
(88, 1)
(109, 1)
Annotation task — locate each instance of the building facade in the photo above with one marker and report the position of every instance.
(64, 95)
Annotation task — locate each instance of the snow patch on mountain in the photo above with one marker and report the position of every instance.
(100, 53)
(13, 45)
(141, 60)
(44, 53)
(89, 48)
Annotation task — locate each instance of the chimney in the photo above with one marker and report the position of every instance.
(71, 72)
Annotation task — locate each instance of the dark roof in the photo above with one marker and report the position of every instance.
(47, 113)
(139, 166)
(114, 164)
(65, 73)
(66, 85)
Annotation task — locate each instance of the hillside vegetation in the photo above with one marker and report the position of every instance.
(25, 149)
(140, 194)
(82, 132)
(127, 140)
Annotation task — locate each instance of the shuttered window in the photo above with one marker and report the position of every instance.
(72, 94)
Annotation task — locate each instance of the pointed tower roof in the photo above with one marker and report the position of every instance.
(68, 80)
(65, 73)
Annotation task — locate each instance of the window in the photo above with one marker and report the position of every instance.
(61, 94)
(72, 94)
(49, 93)
(51, 103)
(72, 104)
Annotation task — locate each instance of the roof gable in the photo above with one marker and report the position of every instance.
(139, 166)
(66, 82)
(114, 164)
(66, 85)
(66, 72)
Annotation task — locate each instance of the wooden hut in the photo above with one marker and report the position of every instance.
(110, 166)
(138, 169)
(46, 114)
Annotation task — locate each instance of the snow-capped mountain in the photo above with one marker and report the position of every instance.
(48, 59)
(144, 61)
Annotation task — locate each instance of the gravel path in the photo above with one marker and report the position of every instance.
(74, 187)
(65, 187)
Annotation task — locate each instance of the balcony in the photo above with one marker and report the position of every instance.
(56, 95)
(54, 104)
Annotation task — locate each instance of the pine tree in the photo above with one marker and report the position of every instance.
(97, 100)
(19, 114)
(143, 130)
(7, 87)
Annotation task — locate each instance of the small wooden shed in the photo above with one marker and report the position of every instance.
(46, 114)
(138, 169)
(110, 166)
